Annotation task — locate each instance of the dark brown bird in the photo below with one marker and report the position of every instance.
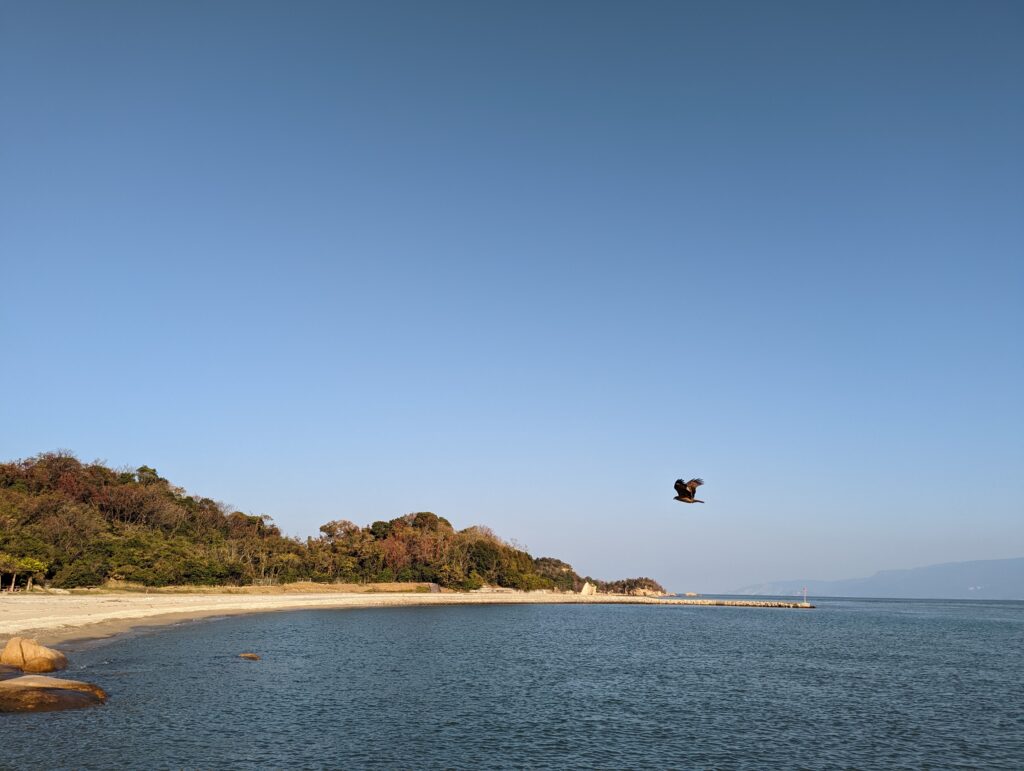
(686, 490)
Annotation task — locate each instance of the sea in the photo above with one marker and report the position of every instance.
(852, 684)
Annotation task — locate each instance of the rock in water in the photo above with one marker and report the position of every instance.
(35, 693)
(30, 656)
(250, 656)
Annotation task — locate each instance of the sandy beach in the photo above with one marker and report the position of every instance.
(53, 619)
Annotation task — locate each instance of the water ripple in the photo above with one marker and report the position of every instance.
(864, 685)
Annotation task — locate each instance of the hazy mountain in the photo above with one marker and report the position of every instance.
(977, 580)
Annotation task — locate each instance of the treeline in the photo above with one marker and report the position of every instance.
(71, 524)
(564, 578)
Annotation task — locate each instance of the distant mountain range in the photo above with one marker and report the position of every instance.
(977, 580)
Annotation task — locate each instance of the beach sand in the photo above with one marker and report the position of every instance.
(58, 618)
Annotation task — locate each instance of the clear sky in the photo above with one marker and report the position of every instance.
(524, 264)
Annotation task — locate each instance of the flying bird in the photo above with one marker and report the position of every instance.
(686, 490)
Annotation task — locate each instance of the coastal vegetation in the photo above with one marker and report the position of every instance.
(73, 524)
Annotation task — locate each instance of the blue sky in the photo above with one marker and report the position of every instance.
(524, 264)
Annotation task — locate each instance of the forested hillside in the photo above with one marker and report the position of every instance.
(72, 524)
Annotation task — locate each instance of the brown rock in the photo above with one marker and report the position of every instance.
(30, 656)
(250, 656)
(34, 693)
(646, 593)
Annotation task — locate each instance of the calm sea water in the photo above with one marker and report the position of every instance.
(854, 684)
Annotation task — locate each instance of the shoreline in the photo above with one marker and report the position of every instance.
(61, 619)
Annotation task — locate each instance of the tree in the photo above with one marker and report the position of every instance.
(147, 475)
(338, 530)
(33, 567)
(8, 564)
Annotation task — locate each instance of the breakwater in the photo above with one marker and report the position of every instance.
(740, 603)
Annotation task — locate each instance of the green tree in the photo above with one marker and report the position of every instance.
(33, 568)
(8, 564)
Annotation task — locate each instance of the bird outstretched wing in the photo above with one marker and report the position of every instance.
(692, 485)
(681, 487)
